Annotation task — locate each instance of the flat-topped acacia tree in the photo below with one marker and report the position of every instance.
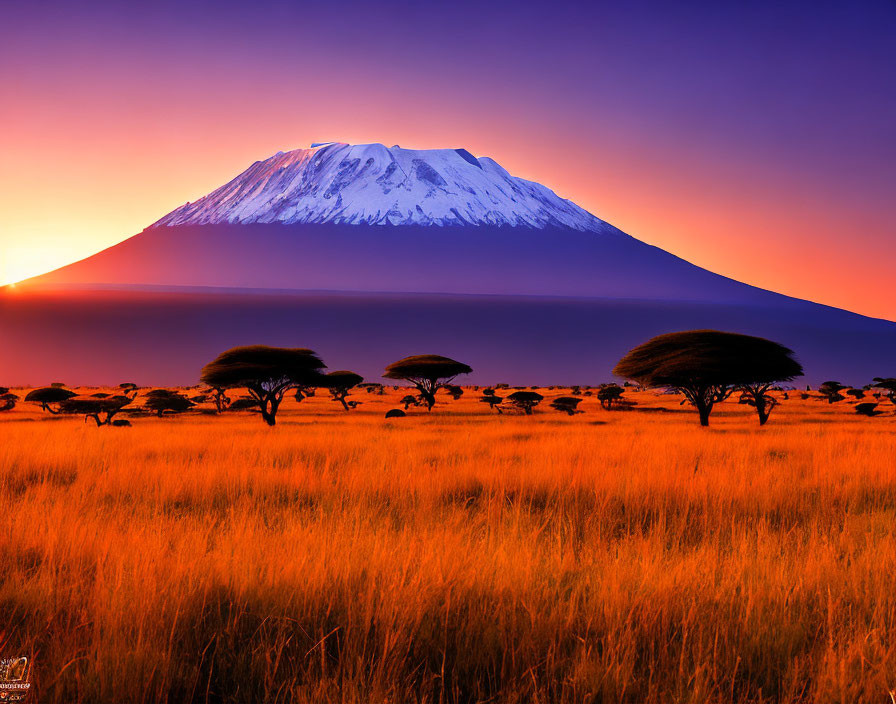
(101, 409)
(267, 373)
(49, 398)
(428, 372)
(707, 366)
(161, 401)
(339, 383)
(567, 404)
(525, 400)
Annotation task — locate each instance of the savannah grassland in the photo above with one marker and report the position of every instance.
(458, 556)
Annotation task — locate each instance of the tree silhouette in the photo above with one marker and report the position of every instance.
(101, 410)
(761, 400)
(7, 400)
(454, 391)
(161, 401)
(525, 400)
(409, 400)
(493, 401)
(888, 384)
(267, 373)
(339, 383)
(831, 391)
(220, 398)
(707, 366)
(867, 409)
(610, 396)
(566, 404)
(428, 372)
(49, 398)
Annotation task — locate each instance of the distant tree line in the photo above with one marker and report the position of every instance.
(705, 366)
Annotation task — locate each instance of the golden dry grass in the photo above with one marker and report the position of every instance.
(460, 556)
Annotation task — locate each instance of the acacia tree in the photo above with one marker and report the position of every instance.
(493, 401)
(102, 410)
(610, 396)
(707, 366)
(339, 383)
(428, 372)
(831, 391)
(566, 404)
(220, 398)
(49, 398)
(888, 384)
(454, 391)
(7, 400)
(161, 401)
(267, 373)
(525, 400)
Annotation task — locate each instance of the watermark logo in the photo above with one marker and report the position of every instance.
(15, 679)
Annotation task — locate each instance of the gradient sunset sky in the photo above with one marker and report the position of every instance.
(757, 141)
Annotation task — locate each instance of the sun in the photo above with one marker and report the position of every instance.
(20, 263)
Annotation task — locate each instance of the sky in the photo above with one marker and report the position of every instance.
(754, 139)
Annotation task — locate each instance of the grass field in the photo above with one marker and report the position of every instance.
(458, 556)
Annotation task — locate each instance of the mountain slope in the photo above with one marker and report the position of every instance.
(441, 252)
(551, 261)
(372, 218)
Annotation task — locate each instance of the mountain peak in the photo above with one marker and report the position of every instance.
(334, 182)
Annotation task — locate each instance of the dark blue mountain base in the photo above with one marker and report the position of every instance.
(164, 338)
(415, 259)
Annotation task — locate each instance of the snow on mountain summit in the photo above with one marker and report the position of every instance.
(373, 184)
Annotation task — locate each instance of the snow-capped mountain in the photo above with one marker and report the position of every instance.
(377, 185)
(340, 217)
(369, 254)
